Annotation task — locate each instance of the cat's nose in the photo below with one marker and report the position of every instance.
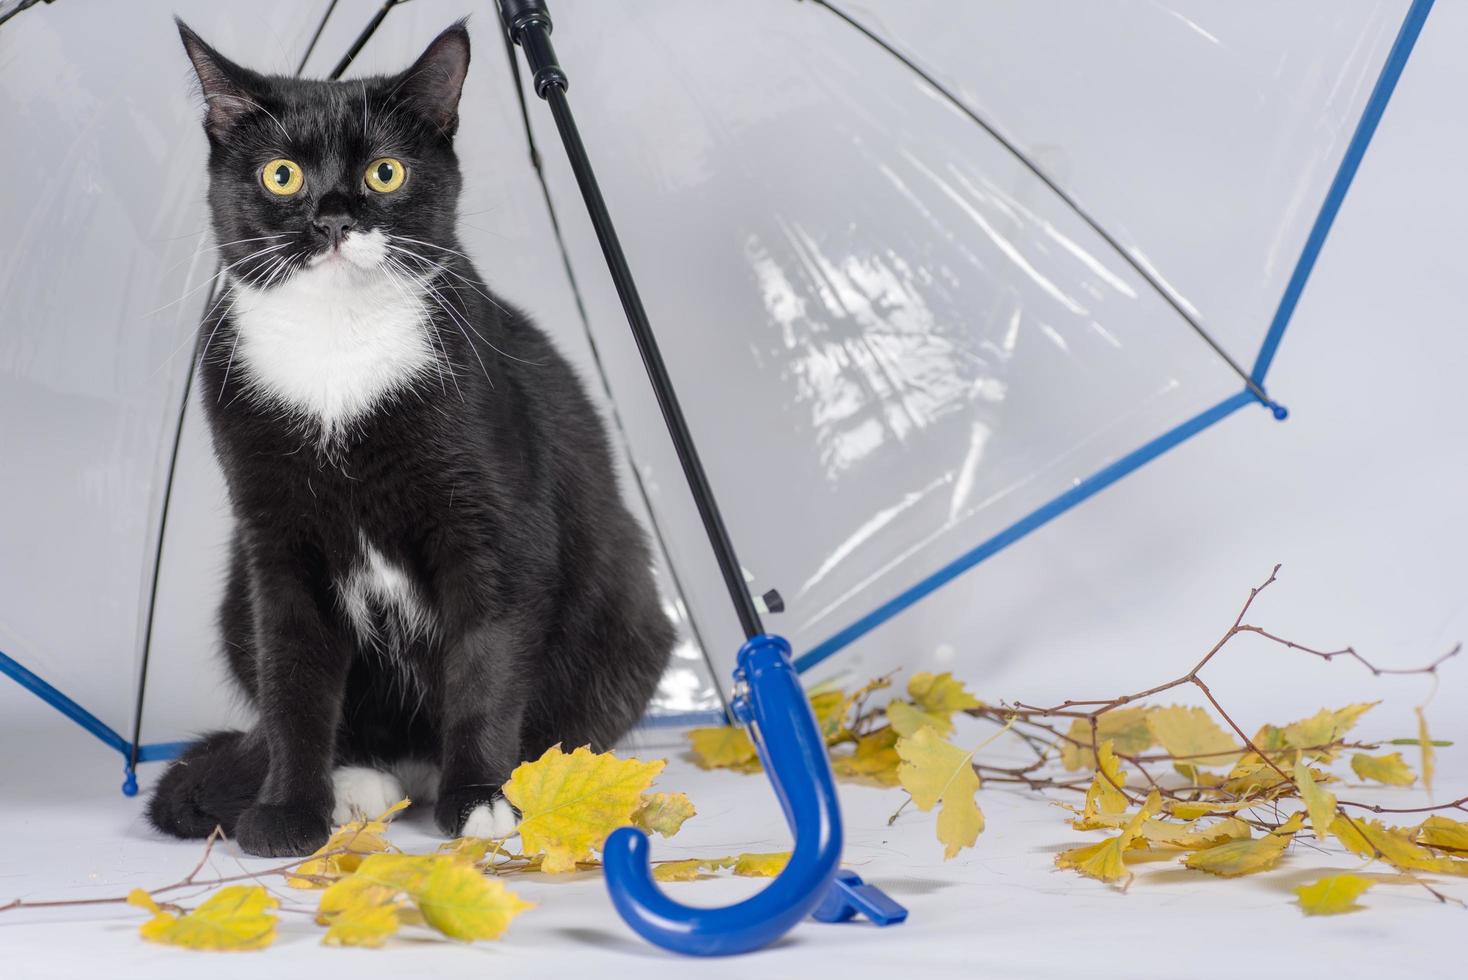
(333, 226)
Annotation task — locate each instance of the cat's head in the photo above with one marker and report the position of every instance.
(358, 173)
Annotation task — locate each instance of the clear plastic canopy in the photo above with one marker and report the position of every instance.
(898, 347)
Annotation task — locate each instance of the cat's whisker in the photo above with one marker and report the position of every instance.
(440, 268)
(473, 284)
(192, 334)
(440, 354)
(278, 264)
(222, 270)
(443, 305)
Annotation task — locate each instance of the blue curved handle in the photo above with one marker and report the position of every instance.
(770, 701)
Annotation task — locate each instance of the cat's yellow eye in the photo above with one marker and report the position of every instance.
(283, 177)
(385, 175)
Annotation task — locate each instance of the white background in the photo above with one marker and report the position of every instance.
(1359, 495)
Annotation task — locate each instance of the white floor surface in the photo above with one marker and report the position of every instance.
(998, 911)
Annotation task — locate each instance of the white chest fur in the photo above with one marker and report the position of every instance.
(382, 603)
(332, 340)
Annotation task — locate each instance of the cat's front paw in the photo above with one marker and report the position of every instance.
(282, 830)
(470, 812)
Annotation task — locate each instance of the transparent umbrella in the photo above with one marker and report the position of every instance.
(924, 276)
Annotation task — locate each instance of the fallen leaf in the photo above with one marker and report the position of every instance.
(1182, 837)
(1333, 894)
(691, 869)
(1322, 728)
(474, 849)
(829, 708)
(1253, 779)
(874, 759)
(940, 693)
(368, 924)
(1372, 838)
(448, 893)
(1126, 728)
(1318, 802)
(761, 865)
(1427, 754)
(725, 747)
(1105, 860)
(1444, 833)
(237, 917)
(1242, 857)
(1103, 798)
(460, 902)
(933, 772)
(1202, 808)
(569, 803)
(1390, 769)
(356, 839)
(906, 719)
(353, 894)
(1191, 735)
(663, 812)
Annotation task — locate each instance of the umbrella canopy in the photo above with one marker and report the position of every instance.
(925, 278)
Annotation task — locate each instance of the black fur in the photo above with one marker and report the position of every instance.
(495, 493)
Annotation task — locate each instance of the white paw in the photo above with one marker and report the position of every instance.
(495, 820)
(362, 792)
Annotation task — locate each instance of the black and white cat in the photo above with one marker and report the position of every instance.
(432, 568)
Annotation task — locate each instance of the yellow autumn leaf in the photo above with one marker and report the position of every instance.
(907, 718)
(355, 892)
(1126, 728)
(1242, 857)
(401, 872)
(237, 917)
(691, 869)
(1105, 860)
(829, 708)
(365, 924)
(1184, 837)
(355, 840)
(460, 902)
(725, 747)
(1333, 894)
(1253, 779)
(751, 865)
(569, 803)
(933, 772)
(663, 813)
(1372, 838)
(1444, 833)
(1183, 810)
(1103, 798)
(1322, 728)
(1390, 769)
(1191, 735)
(474, 849)
(1318, 802)
(1425, 741)
(450, 894)
(875, 758)
(940, 693)
(761, 865)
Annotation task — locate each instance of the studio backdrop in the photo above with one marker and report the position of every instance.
(926, 274)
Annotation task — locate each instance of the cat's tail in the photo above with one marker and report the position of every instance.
(210, 785)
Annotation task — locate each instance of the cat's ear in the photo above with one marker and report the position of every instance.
(225, 84)
(433, 85)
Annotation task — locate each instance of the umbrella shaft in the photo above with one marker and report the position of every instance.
(529, 26)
